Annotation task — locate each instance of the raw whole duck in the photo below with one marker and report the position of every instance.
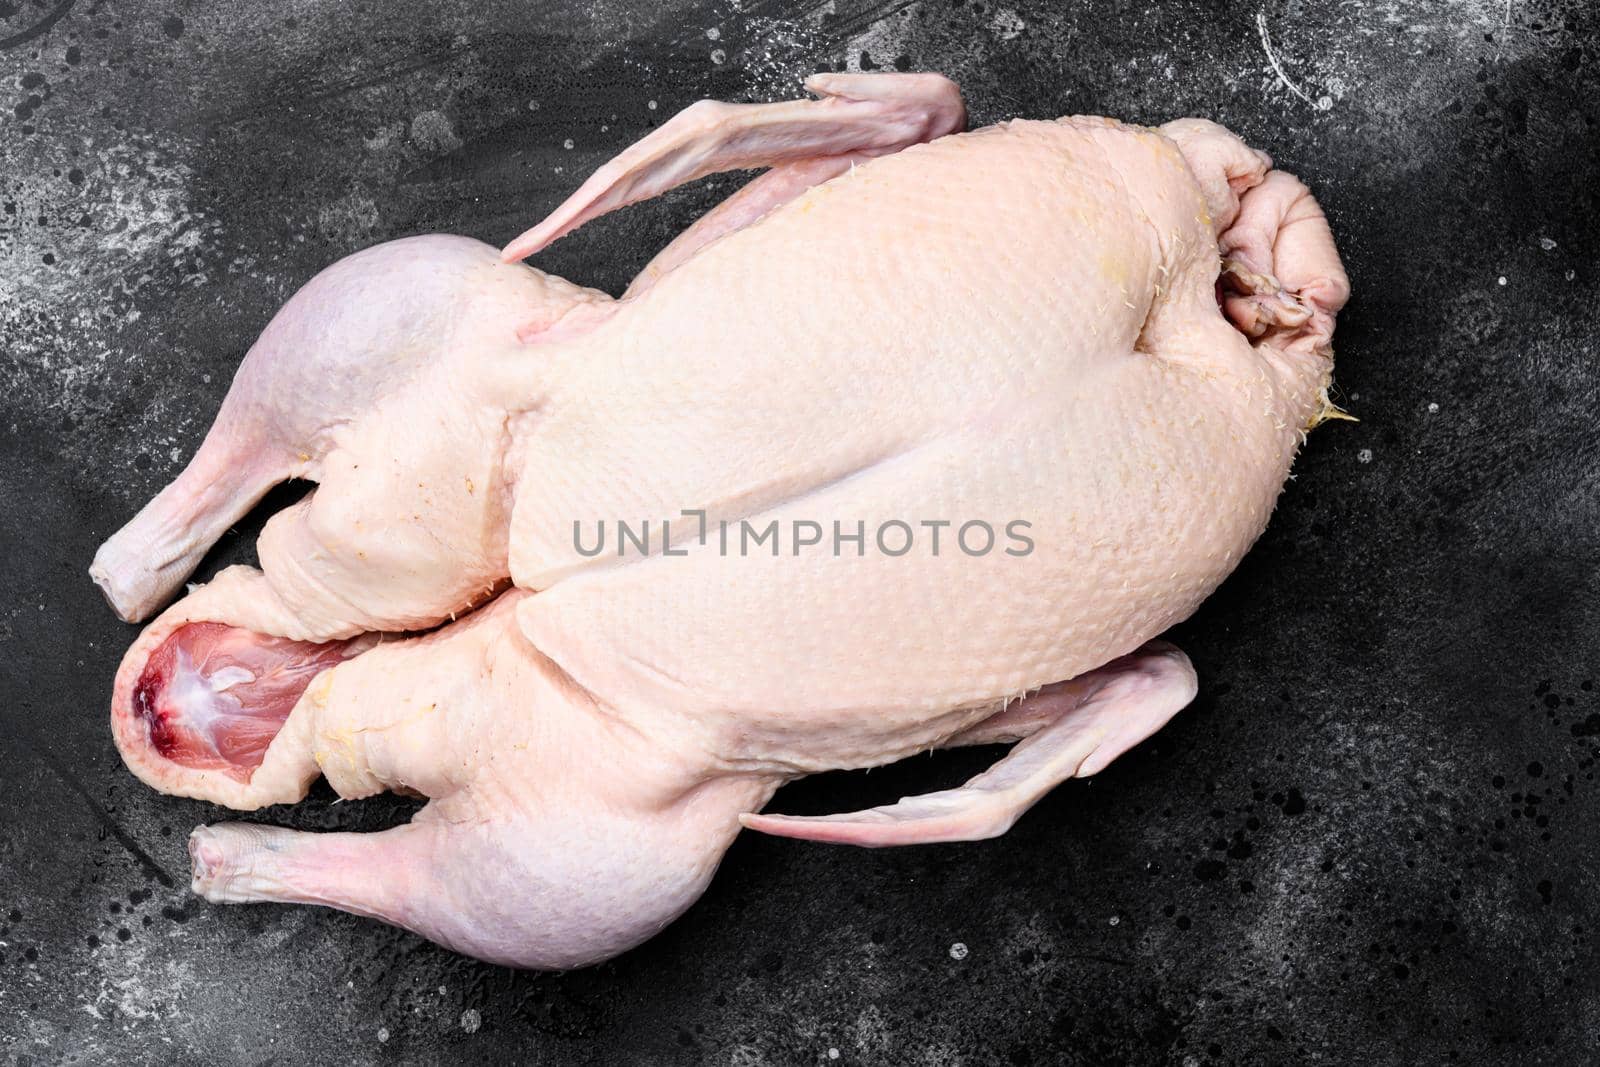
(1084, 353)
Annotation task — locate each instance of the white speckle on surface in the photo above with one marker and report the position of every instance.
(718, 56)
(1272, 57)
(1547, 243)
(1571, 274)
(567, 143)
(471, 1020)
(1364, 456)
(1433, 407)
(383, 1035)
(350, 218)
(433, 131)
(651, 104)
(1007, 24)
(143, 223)
(884, 38)
(141, 985)
(1502, 279)
(833, 1054)
(713, 34)
(958, 951)
(385, 137)
(1114, 920)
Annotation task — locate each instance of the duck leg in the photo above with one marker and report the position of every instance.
(1068, 730)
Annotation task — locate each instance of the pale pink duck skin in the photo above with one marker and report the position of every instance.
(1019, 322)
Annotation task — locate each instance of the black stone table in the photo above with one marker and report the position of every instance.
(1372, 839)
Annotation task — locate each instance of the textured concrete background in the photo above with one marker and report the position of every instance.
(1373, 838)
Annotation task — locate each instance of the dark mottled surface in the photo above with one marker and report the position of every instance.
(1373, 839)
